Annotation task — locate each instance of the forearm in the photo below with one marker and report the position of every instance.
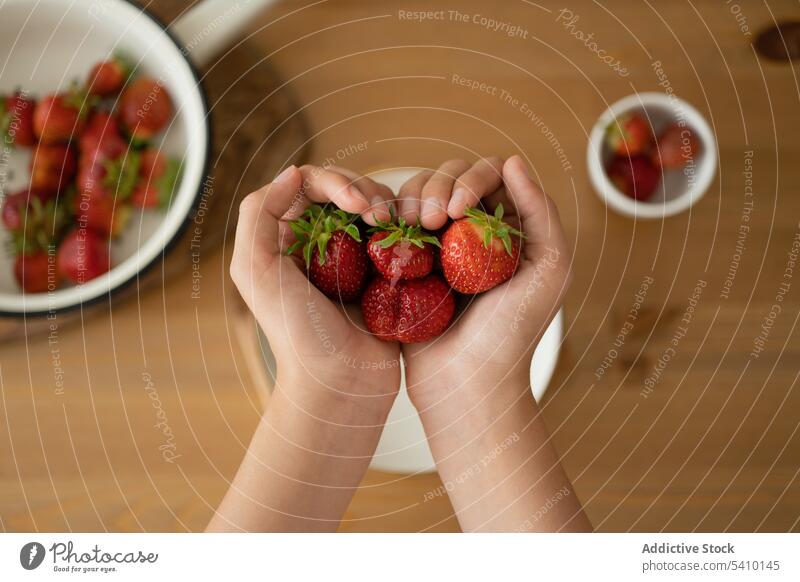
(495, 458)
(307, 457)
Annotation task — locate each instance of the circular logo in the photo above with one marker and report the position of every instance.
(31, 555)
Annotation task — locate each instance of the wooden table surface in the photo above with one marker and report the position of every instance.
(713, 446)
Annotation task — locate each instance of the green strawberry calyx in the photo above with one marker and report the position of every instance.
(493, 226)
(168, 182)
(126, 65)
(42, 229)
(401, 232)
(122, 174)
(315, 228)
(78, 98)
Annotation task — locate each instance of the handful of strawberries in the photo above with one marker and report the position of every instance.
(92, 162)
(404, 276)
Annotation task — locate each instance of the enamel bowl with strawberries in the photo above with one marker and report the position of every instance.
(103, 159)
(651, 155)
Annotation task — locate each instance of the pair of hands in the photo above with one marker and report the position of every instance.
(326, 348)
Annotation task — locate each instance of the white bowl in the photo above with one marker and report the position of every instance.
(47, 44)
(679, 189)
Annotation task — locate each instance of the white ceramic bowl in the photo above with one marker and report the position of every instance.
(681, 188)
(49, 43)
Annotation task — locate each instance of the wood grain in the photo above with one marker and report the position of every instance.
(714, 446)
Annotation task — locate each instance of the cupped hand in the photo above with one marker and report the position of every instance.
(316, 341)
(493, 338)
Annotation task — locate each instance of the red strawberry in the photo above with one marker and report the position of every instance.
(60, 118)
(52, 168)
(676, 147)
(33, 272)
(410, 311)
(400, 251)
(145, 108)
(16, 119)
(97, 210)
(157, 179)
(103, 187)
(636, 177)
(82, 256)
(334, 254)
(102, 135)
(34, 220)
(108, 77)
(630, 134)
(16, 207)
(479, 251)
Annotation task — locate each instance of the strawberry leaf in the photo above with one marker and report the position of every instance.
(293, 247)
(122, 174)
(352, 230)
(166, 183)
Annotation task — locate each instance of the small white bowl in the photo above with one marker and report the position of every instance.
(679, 189)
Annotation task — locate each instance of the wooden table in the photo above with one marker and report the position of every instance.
(713, 446)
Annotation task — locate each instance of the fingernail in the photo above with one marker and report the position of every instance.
(458, 201)
(523, 166)
(283, 176)
(356, 193)
(431, 207)
(378, 205)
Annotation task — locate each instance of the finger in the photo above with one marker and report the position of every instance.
(257, 241)
(510, 212)
(483, 178)
(410, 194)
(321, 185)
(538, 213)
(437, 191)
(380, 196)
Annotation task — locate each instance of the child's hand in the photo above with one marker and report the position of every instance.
(319, 345)
(492, 342)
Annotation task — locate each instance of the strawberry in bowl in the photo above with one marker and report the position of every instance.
(16, 119)
(145, 108)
